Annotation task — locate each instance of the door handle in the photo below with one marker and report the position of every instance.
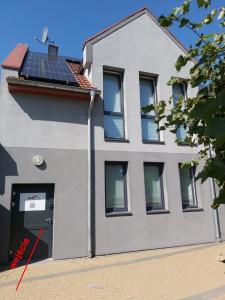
(49, 221)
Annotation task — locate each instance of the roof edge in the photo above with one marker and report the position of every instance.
(139, 13)
(113, 25)
(52, 86)
(15, 58)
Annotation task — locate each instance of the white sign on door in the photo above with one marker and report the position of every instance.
(32, 201)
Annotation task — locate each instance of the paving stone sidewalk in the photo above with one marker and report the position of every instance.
(187, 273)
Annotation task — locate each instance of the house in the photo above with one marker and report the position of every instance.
(80, 160)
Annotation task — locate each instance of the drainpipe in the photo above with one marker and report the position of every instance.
(90, 252)
(215, 210)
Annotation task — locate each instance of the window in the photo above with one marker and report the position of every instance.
(113, 105)
(188, 188)
(115, 186)
(179, 90)
(147, 97)
(154, 186)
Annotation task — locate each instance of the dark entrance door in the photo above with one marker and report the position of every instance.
(32, 209)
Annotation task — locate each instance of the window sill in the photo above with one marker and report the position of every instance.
(119, 214)
(153, 142)
(192, 209)
(183, 144)
(117, 140)
(158, 211)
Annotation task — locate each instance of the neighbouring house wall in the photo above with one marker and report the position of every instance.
(55, 128)
(67, 169)
(41, 121)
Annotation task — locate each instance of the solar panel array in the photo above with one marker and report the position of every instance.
(41, 67)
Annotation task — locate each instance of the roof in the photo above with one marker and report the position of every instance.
(145, 10)
(80, 78)
(17, 59)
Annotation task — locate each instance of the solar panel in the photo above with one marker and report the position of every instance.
(41, 67)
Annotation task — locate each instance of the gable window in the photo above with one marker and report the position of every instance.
(179, 91)
(147, 97)
(115, 186)
(154, 186)
(188, 187)
(113, 105)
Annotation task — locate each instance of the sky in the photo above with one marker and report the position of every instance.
(71, 22)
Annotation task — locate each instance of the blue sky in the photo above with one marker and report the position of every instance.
(70, 22)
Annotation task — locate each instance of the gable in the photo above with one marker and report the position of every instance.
(144, 12)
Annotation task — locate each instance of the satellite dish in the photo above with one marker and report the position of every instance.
(44, 37)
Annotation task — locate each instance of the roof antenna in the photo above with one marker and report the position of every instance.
(52, 48)
(44, 37)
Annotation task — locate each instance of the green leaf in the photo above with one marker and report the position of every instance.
(221, 97)
(220, 199)
(165, 21)
(183, 22)
(203, 3)
(185, 7)
(195, 25)
(200, 3)
(199, 42)
(176, 10)
(148, 108)
(213, 169)
(203, 112)
(216, 129)
(181, 62)
(221, 14)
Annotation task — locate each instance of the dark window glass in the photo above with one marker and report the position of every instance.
(115, 186)
(113, 106)
(179, 93)
(147, 97)
(154, 186)
(188, 188)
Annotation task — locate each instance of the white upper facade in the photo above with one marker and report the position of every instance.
(136, 46)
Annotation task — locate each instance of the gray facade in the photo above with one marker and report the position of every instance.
(56, 128)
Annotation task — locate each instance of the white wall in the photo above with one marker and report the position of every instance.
(140, 46)
(45, 122)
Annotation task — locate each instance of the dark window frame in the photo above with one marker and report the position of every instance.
(143, 115)
(160, 165)
(120, 75)
(125, 170)
(192, 171)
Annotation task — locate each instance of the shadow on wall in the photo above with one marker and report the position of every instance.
(4, 234)
(98, 113)
(54, 109)
(8, 167)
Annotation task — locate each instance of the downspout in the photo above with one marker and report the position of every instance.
(215, 210)
(90, 248)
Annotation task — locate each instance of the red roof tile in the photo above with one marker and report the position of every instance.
(15, 58)
(81, 79)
